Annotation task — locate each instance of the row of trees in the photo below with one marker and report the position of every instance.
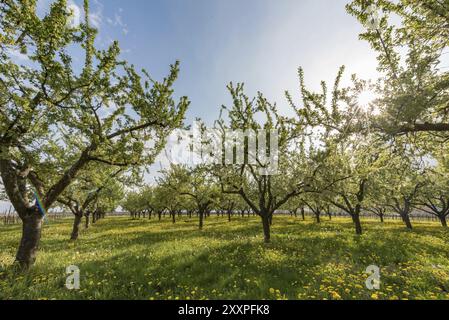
(75, 138)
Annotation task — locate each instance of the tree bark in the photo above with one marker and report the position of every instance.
(201, 217)
(86, 225)
(29, 243)
(443, 220)
(406, 220)
(266, 227)
(76, 227)
(357, 224)
(303, 214)
(381, 218)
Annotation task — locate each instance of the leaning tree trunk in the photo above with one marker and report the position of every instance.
(76, 227)
(31, 235)
(406, 220)
(266, 227)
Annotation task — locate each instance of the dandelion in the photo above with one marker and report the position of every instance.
(335, 295)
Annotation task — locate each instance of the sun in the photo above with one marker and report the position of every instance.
(365, 100)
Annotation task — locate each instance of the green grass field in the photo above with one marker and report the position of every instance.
(120, 258)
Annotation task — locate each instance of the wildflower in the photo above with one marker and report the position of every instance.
(335, 295)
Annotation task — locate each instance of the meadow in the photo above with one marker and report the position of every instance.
(121, 258)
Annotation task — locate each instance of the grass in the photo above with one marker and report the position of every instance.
(120, 258)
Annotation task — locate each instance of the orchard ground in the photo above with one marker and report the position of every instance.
(120, 258)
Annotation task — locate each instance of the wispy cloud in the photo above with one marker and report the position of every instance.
(117, 21)
(96, 18)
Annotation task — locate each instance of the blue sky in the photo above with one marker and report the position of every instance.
(259, 42)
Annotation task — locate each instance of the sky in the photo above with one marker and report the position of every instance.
(259, 42)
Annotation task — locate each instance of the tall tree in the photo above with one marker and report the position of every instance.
(104, 113)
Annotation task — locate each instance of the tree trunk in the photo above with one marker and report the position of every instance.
(357, 224)
(317, 216)
(406, 219)
(443, 220)
(29, 243)
(266, 227)
(173, 214)
(229, 215)
(303, 214)
(94, 217)
(201, 216)
(86, 225)
(76, 227)
(381, 218)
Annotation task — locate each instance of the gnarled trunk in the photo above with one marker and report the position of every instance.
(406, 220)
(76, 227)
(29, 243)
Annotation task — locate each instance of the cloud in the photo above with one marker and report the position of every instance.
(96, 18)
(117, 21)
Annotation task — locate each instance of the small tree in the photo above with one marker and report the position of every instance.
(434, 196)
(265, 192)
(82, 196)
(196, 183)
